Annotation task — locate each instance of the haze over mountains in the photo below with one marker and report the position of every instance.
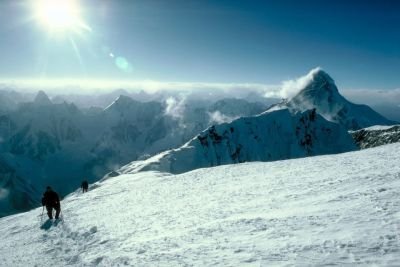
(58, 143)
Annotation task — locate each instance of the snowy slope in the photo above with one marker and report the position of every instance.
(270, 136)
(376, 136)
(320, 92)
(44, 143)
(339, 209)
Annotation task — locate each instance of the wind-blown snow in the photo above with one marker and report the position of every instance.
(328, 210)
(292, 87)
(317, 90)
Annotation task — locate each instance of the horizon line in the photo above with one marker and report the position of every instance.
(95, 84)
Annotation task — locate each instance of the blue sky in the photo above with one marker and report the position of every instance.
(221, 41)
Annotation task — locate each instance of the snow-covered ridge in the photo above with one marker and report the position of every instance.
(320, 92)
(376, 136)
(270, 136)
(379, 127)
(318, 211)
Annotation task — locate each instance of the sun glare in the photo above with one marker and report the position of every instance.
(59, 15)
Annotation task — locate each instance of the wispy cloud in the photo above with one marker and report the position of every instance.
(286, 89)
(93, 86)
(175, 107)
(218, 118)
(290, 88)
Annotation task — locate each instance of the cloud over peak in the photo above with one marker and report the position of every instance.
(291, 87)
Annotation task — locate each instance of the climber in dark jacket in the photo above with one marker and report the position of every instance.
(51, 201)
(84, 186)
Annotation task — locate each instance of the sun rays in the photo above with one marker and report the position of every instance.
(60, 16)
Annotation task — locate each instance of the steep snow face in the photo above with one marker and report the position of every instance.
(320, 92)
(267, 137)
(38, 130)
(339, 209)
(131, 124)
(376, 136)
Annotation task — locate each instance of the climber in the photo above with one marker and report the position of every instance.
(84, 186)
(51, 201)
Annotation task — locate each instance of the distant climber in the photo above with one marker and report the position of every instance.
(84, 186)
(51, 201)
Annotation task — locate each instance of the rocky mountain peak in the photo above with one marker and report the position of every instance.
(42, 99)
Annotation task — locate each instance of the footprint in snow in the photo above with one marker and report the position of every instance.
(141, 251)
(46, 225)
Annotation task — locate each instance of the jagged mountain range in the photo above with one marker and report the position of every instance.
(60, 144)
(314, 121)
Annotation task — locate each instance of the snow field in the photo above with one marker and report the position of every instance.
(328, 210)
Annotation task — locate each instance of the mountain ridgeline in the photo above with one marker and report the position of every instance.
(270, 136)
(46, 143)
(315, 121)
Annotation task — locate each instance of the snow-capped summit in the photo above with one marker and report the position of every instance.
(321, 87)
(42, 99)
(318, 90)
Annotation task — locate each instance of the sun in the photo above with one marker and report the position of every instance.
(59, 15)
